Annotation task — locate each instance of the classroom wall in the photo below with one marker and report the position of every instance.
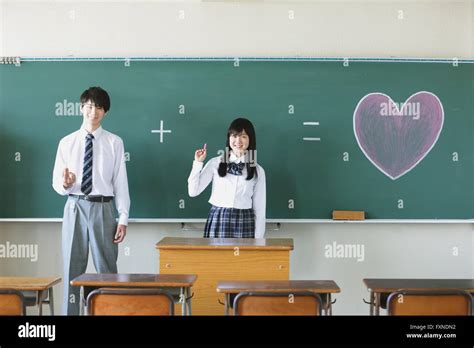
(255, 28)
(393, 250)
(425, 28)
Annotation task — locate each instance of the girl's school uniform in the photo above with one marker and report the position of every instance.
(238, 205)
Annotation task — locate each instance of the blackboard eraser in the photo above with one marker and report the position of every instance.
(348, 215)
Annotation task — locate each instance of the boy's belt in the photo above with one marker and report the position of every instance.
(96, 199)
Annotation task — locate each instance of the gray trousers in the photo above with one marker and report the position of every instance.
(86, 223)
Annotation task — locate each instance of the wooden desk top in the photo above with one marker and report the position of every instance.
(391, 285)
(28, 283)
(225, 243)
(319, 286)
(134, 280)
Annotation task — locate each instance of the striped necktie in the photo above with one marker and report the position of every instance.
(86, 186)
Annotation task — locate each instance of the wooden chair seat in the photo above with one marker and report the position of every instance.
(432, 302)
(125, 301)
(12, 302)
(277, 304)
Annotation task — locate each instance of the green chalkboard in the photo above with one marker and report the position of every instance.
(319, 152)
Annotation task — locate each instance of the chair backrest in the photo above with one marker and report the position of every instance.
(430, 302)
(272, 303)
(124, 301)
(12, 302)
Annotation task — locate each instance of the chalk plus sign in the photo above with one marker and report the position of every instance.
(161, 131)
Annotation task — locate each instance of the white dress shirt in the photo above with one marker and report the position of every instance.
(231, 191)
(109, 173)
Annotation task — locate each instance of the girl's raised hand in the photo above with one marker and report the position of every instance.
(200, 154)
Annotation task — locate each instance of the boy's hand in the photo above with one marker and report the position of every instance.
(69, 178)
(120, 234)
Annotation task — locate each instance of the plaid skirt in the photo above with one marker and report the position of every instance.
(230, 223)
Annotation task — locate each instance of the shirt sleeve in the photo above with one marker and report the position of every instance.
(259, 201)
(59, 165)
(120, 185)
(200, 177)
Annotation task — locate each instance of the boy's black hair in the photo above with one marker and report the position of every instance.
(97, 95)
(236, 127)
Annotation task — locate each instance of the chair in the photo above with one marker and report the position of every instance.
(124, 301)
(436, 302)
(12, 302)
(272, 303)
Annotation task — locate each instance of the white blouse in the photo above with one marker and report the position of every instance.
(231, 191)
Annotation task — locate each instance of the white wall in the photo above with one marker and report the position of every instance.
(233, 28)
(391, 250)
(256, 28)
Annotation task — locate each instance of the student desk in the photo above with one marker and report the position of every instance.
(40, 286)
(183, 282)
(380, 287)
(324, 288)
(216, 259)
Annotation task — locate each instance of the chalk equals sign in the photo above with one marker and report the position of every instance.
(311, 124)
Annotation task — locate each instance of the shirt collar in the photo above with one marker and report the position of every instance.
(234, 159)
(97, 133)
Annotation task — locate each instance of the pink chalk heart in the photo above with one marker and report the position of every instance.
(395, 139)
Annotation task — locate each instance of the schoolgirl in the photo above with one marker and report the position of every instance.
(238, 195)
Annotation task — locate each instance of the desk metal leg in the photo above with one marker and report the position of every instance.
(377, 303)
(188, 300)
(51, 300)
(39, 301)
(226, 303)
(183, 295)
(329, 312)
(82, 302)
(372, 300)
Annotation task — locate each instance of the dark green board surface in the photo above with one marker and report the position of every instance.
(311, 173)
